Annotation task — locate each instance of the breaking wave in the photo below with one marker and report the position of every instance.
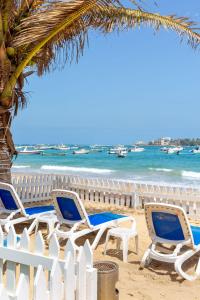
(20, 167)
(191, 175)
(161, 169)
(76, 169)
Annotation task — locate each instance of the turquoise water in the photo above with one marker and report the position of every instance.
(151, 165)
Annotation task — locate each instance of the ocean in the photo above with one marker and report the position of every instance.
(151, 166)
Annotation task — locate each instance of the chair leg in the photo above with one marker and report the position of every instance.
(118, 244)
(106, 243)
(125, 249)
(50, 226)
(97, 238)
(145, 259)
(136, 244)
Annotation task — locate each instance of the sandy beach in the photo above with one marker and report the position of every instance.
(158, 281)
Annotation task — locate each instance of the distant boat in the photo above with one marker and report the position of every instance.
(122, 153)
(81, 151)
(61, 147)
(25, 151)
(137, 149)
(164, 149)
(117, 149)
(53, 154)
(44, 147)
(174, 150)
(196, 150)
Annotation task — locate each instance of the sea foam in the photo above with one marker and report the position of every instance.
(191, 175)
(20, 167)
(76, 169)
(161, 169)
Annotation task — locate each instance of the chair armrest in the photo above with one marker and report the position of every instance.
(11, 215)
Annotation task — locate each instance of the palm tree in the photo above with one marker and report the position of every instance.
(33, 34)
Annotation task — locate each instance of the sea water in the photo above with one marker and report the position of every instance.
(152, 165)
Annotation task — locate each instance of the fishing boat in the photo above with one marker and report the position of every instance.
(26, 151)
(81, 151)
(137, 149)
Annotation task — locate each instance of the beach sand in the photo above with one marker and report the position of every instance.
(158, 281)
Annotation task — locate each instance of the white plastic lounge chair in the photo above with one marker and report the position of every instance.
(70, 211)
(168, 225)
(11, 205)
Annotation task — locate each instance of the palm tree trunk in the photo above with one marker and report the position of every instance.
(5, 152)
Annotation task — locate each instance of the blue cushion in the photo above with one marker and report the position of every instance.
(68, 209)
(104, 217)
(7, 200)
(167, 226)
(38, 209)
(5, 242)
(196, 234)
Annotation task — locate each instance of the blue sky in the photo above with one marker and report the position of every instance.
(128, 86)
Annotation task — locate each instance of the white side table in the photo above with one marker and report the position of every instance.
(49, 219)
(123, 235)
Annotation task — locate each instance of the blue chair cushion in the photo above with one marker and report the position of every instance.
(5, 242)
(39, 209)
(68, 209)
(167, 226)
(7, 200)
(196, 234)
(104, 217)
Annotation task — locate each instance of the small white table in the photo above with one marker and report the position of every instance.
(49, 219)
(123, 234)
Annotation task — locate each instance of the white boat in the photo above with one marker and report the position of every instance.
(26, 151)
(164, 149)
(44, 147)
(174, 150)
(117, 149)
(137, 149)
(61, 147)
(196, 150)
(81, 151)
(122, 153)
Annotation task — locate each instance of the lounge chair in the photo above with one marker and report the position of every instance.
(13, 212)
(71, 212)
(168, 225)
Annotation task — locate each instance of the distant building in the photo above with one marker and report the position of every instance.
(164, 141)
(140, 143)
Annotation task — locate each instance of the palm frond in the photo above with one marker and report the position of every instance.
(120, 18)
(37, 26)
(77, 12)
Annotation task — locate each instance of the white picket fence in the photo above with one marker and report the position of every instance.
(33, 275)
(115, 192)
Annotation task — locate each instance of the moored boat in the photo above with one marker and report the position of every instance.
(61, 147)
(174, 150)
(81, 151)
(117, 149)
(122, 153)
(137, 149)
(196, 150)
(26, 151)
